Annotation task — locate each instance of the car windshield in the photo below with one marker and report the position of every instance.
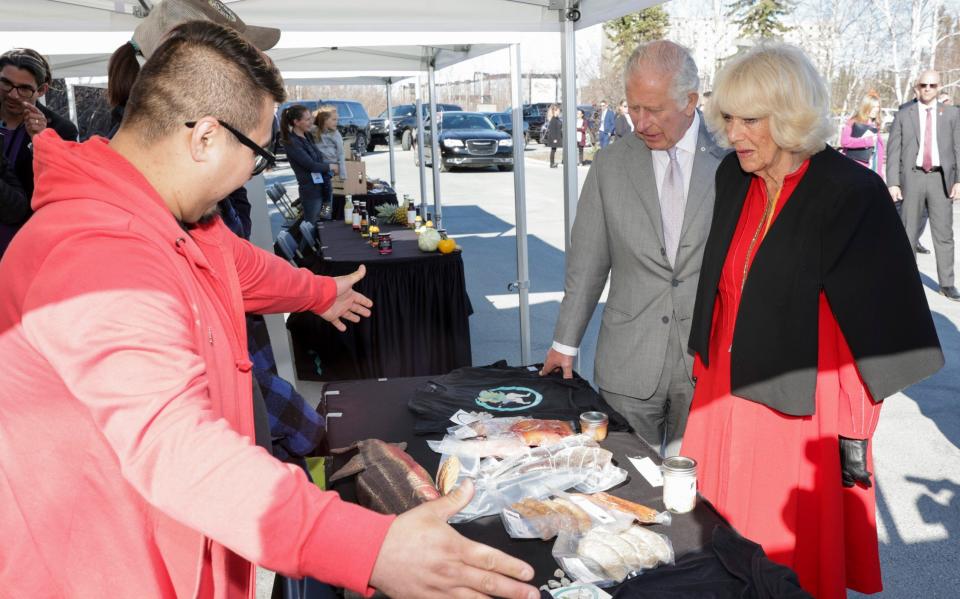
(466, 121)
(401, 111)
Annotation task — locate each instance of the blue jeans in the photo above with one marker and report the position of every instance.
(311, 199)
(604, 139)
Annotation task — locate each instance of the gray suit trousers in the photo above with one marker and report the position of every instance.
(926, 190)
(661, 418)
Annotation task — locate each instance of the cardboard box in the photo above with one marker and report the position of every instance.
(355, 181)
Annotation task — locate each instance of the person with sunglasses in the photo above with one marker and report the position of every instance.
(25, 78)
(923, 171)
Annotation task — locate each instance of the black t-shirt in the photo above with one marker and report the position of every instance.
(506, 391)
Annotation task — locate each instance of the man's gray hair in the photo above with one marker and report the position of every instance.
(668, 58)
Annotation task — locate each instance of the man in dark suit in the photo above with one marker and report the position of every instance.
(606, 124)
(923, 154)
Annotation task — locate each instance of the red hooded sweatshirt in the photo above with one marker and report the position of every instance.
(126, 461)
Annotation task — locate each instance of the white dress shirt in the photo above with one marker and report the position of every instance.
(686, 149)
(934, 150)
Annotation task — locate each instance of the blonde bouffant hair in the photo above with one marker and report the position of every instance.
(777, 81)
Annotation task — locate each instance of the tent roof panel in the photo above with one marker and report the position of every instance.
(298, 15)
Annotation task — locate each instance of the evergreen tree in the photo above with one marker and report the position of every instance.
(761, 18)
(630, 30)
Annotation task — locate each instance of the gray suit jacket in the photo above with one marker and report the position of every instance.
(618, 232)
(903, 145)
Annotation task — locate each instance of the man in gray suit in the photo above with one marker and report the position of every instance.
(642, 220)
(923, 152)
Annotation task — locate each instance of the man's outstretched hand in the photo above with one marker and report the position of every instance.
(349, 305)
(423, 557)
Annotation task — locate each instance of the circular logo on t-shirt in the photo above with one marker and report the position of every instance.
(509, 399)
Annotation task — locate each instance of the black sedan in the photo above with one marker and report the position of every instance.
(468, 139)
(504, 122)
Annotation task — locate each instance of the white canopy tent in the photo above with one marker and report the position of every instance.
(304, 27)
(296, 15)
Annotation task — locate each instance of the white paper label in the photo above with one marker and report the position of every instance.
(595, 511)
(580, 591)
(532, 368)
(381, 380)
(649, 470)
(514, 520)
(334, 392)
(334, 414)
(464, 417)
(317, 178)
(576, 568)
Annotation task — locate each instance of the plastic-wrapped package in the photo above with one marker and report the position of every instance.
(574, 462)
(606, 555)
(575, 512)
(544, 519)
(503, 437)
(501, 445)
(640, 513)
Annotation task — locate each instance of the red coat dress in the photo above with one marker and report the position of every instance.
(775, 477)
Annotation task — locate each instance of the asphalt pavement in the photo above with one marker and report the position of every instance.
(917, 443)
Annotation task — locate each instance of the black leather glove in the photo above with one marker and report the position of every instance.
(853, 462)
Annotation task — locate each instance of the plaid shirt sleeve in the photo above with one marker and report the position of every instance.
(296, 428)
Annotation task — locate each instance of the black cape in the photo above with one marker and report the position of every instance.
(839, 232)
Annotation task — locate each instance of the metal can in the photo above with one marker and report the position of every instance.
(385, 245)
(594, 424)
(679, 484)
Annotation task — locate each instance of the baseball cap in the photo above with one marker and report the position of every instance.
(169, 13)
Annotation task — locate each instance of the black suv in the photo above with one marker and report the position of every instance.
(404, 124)
(504, 122)
(468, 139)
(534, 115)
(352, 122)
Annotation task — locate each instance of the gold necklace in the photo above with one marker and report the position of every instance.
(764, 225)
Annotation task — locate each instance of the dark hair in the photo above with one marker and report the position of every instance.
(122, 71)
(201, 69)
(290, 114)
(28, 60)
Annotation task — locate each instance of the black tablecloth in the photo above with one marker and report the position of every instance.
(419, 323)
(372, 199)
(378, 409)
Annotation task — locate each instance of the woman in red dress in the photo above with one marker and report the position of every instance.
(809, 312)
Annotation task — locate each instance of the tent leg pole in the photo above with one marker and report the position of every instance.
(435, 147)
(423, 172)
(393, 165)
(520, 199)
(72, 101)
(568, 74)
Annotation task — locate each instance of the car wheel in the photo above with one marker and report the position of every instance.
(505, 168)
(371, 145)
(361, 144)
(406, 141)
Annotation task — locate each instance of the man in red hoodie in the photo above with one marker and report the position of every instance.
(126, 461)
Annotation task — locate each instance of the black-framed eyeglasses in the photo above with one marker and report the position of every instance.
(928, 85)
(24, 91)
(263, 157)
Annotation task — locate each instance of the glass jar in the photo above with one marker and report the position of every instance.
(679, 484)
(385, 245)
(594, 424)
